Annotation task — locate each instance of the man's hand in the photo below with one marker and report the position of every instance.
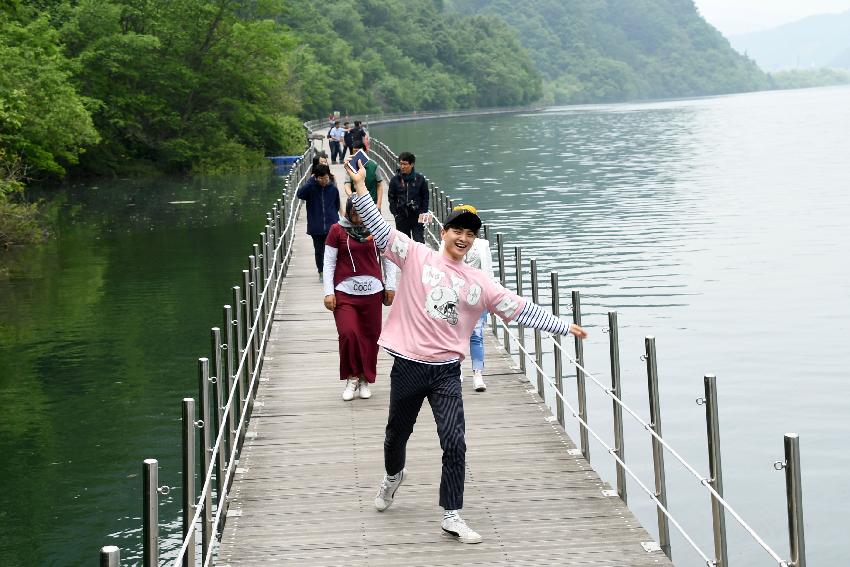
(330, 302)
(577, 331)
(389, 297)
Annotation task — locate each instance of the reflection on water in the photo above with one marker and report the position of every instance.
(100, 331)
(717, 225)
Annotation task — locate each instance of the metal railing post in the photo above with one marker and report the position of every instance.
(538, 337)
(718, 513)
(206, 450)
(619, 440)
(189, 479)
(248, 345)
(231, 362)
(794, 495)
(580, 379)
(559, 359)
(150, 513)
(520, 328)
(500, 245)
(110, 556)
(219, 384)
(657, 448)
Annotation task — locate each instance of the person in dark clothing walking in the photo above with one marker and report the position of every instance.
(408, 197)
(322, 201)
(347, 140)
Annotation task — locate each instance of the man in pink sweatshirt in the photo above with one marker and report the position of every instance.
(438, 301)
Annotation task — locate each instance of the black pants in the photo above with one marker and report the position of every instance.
(319, 249)
(335, 151)
(343, 149)
(411, 227)
(410, 383)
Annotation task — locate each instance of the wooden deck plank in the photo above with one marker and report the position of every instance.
(311, 465)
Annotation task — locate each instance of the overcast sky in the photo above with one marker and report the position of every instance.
(741, 16)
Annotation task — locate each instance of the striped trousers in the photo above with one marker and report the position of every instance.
(410, 383)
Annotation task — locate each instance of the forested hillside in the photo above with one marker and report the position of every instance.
(611, 50)
(120, 86)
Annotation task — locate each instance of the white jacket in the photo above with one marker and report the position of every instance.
(479, 256)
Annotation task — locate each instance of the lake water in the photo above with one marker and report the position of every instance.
(718, 225)
(100, 332)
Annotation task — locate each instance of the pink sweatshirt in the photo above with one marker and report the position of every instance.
(438, 302)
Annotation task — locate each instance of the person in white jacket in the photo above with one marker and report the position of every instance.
(479, 257)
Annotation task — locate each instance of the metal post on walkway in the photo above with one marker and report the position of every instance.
(657, 448)
(110, 556)
(205, 453)
(616, 389)
(219, 384)
(559, 359)
(538, 337)
(247, 325)
(718, 513)
(189, 480)
(794, 495)
(239, 369)
(520, 328)
(580, 379)
(230, 325)
(150, 513)
(254, 317)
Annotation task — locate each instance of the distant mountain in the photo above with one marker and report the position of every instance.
(816, 41)
(615, 50)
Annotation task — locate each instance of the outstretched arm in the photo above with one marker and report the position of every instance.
(367, 209)
(533, 316)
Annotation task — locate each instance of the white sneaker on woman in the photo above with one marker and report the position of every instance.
(350, 388)
(478, 381)
(455, 526)
(363, 386)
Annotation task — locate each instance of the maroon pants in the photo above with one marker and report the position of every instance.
(358, 322)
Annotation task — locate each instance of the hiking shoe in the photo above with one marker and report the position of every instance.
(478, 381)
(363, 387)
(350, 388)
(387, 490)
(455, 526)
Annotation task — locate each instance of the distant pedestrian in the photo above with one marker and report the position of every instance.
(374, 178)
(322, 202)
(479, 257)
(354, 291)
(438, 302)
(358, 133)
(408, 198)
(336, 135)
(346, 139)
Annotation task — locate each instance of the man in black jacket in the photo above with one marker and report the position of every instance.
(408, 198)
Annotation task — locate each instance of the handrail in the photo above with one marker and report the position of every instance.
(277, 280)
(612, 451)
(704, 481)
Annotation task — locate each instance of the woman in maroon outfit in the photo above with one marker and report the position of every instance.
(354, 291)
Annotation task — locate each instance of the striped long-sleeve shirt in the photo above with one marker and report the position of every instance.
(439, 300)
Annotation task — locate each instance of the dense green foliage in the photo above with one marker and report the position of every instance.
(397, 55)
(612, 50)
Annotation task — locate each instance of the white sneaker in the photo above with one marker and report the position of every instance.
(478, 381)
(387, 490)
(455, 526)
(350, 388)
(363, 386)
